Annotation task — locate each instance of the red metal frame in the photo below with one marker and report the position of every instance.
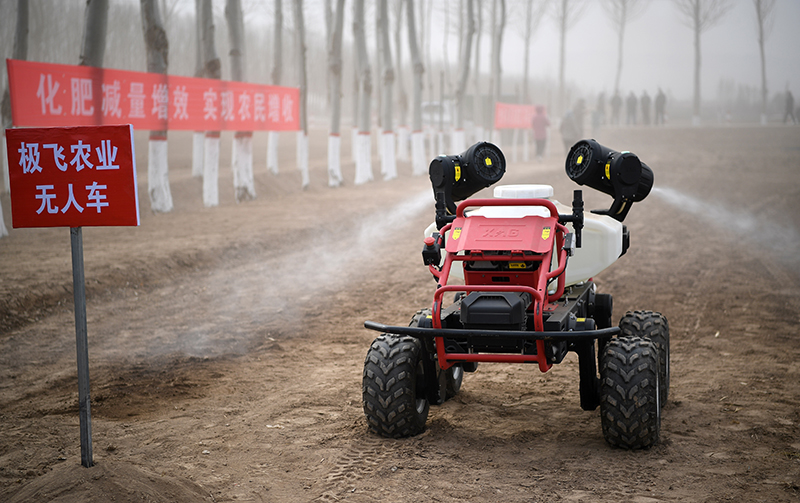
(536, 235)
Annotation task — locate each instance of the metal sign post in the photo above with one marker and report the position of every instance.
(82, 344)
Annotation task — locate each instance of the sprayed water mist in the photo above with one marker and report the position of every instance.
(255, 293)
(765, 235)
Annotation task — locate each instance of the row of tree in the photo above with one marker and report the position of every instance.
(399, 25)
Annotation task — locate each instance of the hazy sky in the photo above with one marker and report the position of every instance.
(660, 50)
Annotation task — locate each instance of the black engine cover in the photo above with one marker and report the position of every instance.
(500, 310)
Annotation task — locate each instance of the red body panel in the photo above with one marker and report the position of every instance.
(528, 242)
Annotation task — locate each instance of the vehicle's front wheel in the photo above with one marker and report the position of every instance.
(630, 411)
(393, 387)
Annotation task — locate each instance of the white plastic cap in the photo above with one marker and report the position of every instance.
(523, 191)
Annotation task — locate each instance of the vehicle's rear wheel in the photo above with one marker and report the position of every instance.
(630, 411)
(393, 387)
(455, 375)
(654, 326)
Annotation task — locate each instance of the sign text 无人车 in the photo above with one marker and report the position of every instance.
(45, 94)
(72, 176)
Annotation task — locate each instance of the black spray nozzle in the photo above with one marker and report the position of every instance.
(457, 177)
(619, 174)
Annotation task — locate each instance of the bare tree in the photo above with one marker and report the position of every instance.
(417, 136)
(273, 137)
(495, 80)
(565, 14)
(94, 35)
(242, 152)
(335, 87)
(534, 11)
(157, 62)
(402, 97)
(20, 52)
(363, 146)
(212, 69)
(459, 140)
(300, 50)
(765, 16)
(199, 71)
(700, 15)
(621, 12)
(477, 101)
(388, 160)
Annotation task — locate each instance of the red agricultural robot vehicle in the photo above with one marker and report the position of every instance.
(513, 285)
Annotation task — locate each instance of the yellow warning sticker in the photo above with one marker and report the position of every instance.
(456, 233)
(458, 172)
(608, 170)
(516, 265)
(546, 233)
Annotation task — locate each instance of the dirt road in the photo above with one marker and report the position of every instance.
(227, 344)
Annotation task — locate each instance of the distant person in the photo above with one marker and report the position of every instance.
(789, 108)
(540, 123)
(645, 102)
(597, 121)
(579, 111)
(569, 130)
(630, 109)
(601, 108)
(661, 104)
(616, 107)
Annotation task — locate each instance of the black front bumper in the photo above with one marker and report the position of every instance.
(454, 333)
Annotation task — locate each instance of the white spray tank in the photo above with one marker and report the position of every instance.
(602, 235)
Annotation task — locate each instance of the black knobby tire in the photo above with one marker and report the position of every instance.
(393, 387)
(630, 411)
(654, 326)
(455, 375)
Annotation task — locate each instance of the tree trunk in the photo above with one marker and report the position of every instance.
(363, 147)
(273, 137)
(562, 33)
(478, 99)
(498, 25)
(242, 152)
(335, 82)
(21, 53)
(212, 70)
(197, 137)
(157, 45)
(388, 159)
(402, 97)
(356, 99)
(300, 49)
(760, 13)
(463, 76)
(621, 39)
(696, 104)
(417, 135)
(526, 63)
(94, 34)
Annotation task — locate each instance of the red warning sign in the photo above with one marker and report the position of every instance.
(72, 176)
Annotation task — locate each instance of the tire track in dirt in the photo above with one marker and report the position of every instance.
(359, 460)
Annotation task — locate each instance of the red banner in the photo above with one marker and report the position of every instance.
(45, 94)
(72, 177)
(512, 116)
